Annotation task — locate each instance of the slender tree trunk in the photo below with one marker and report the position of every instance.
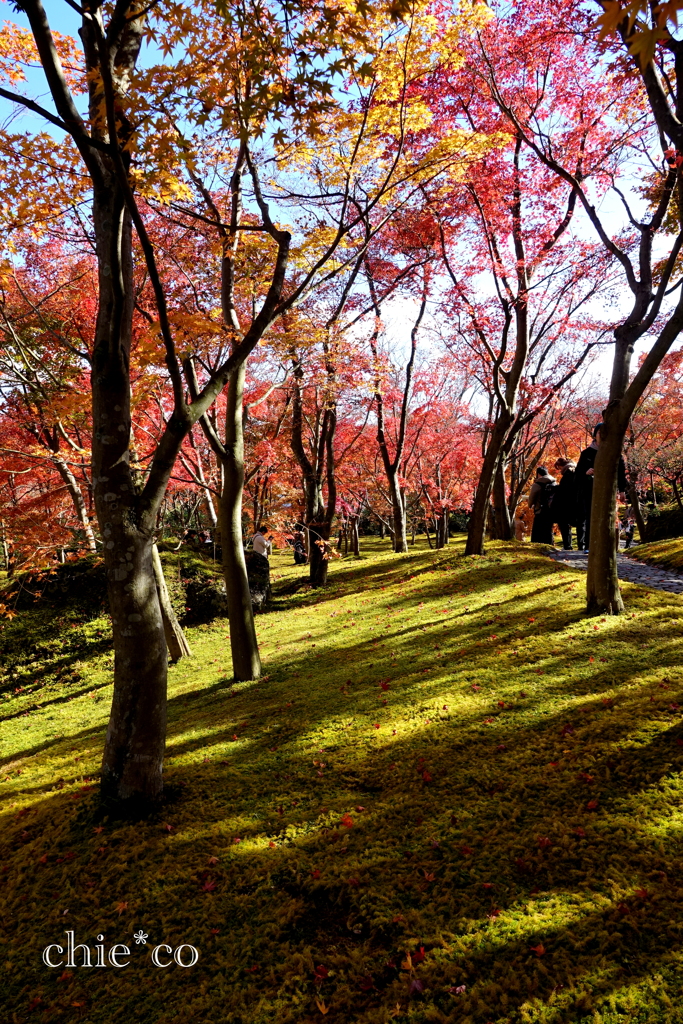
(677, 495)
(246, 661)
(74, 490)
(176, 641)
(476, 532)
(208, 497)
(399, 538)
(637, 510)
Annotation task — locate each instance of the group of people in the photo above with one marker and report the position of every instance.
(567, 501)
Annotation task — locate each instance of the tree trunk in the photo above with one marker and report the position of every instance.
(246, 661)
(476, 532)
(399, 538)
(176, 641)
(134, 746)
(603, 594)
(446, 526)
(637, 510)
(208, 497)
(133, 755)
(677, 495)
(74, 490)
(502, 524)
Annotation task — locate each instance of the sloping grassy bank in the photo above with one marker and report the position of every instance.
(454, 798)
(666, 554)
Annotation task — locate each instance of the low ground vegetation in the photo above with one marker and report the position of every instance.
(453, 797)
(667, 554)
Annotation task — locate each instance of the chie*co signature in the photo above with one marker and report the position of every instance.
(163, 955)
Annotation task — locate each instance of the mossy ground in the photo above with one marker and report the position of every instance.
(667, 554)
(453, 798)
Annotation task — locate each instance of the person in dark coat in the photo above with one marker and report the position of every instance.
(541, 490)
(299, 548)
(585, 470)
(565, 504)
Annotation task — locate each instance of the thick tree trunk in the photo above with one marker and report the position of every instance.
(603, 594)
(134, 746)
(176, 641)
(246, 661)
(502, 522)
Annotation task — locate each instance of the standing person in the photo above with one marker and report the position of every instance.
(585, 470)
(540, 499)
(299, 548)
(518, 524)
(565, 511)
(260, 542)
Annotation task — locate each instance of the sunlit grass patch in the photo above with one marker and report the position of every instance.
(453, 798)
(666, 554)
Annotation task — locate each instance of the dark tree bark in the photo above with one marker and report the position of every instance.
(316, 470)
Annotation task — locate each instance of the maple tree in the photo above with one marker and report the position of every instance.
(151, 135)
(522, 278)
(647, 275)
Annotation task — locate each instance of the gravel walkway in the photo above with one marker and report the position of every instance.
(630, 570)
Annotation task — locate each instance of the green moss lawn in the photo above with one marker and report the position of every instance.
(453, 798)
(666, 554)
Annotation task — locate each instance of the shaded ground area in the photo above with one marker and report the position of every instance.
(454, 798)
